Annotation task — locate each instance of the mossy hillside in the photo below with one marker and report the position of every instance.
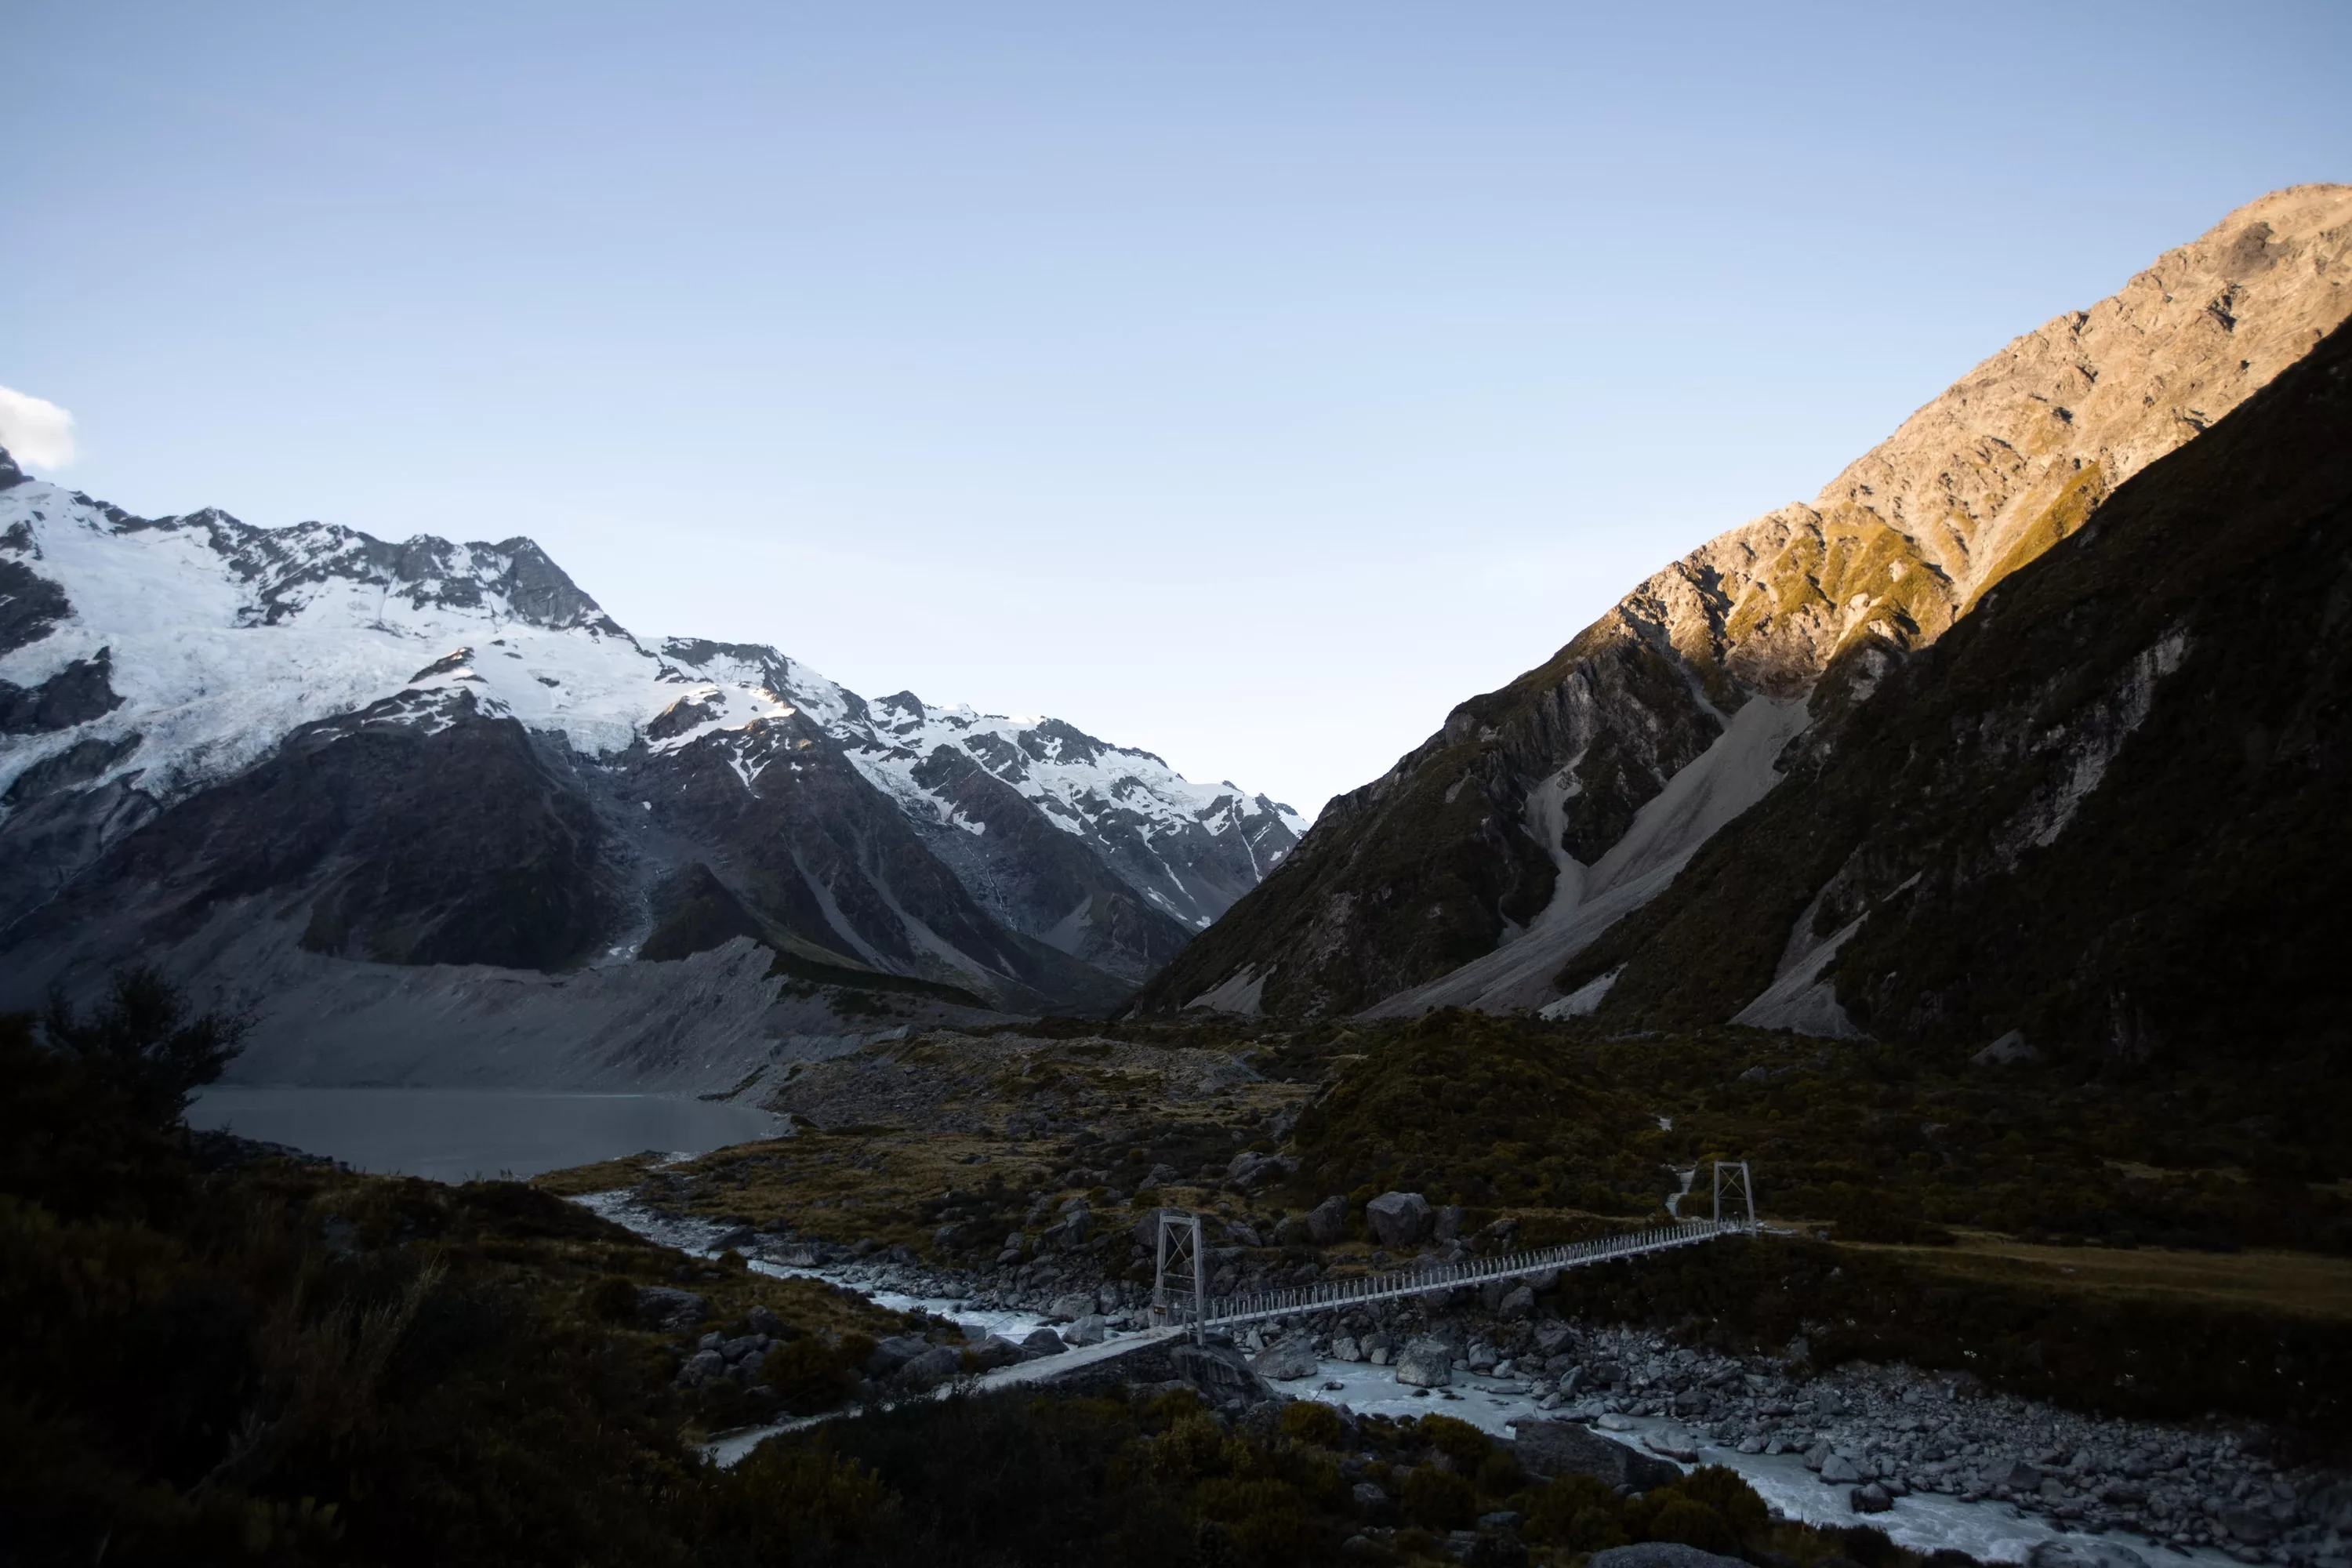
(2079, 495)
(1559, 1125)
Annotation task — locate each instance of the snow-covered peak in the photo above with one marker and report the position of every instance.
(219, 638)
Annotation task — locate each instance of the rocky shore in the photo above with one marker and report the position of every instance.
(1874, 1434)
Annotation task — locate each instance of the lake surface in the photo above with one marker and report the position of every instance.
(457, 1135)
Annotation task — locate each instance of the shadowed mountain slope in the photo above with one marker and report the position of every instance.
(2110, 811)
(1542, 813)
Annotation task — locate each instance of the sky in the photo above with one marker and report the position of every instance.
(1246, 382)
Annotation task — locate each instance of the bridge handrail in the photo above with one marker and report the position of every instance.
(1421, 1279)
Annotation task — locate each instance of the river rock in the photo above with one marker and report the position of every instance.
(1070, 1309)
(1660, 1554)
(1837, 1470)
(894, 1353)
(1089, 1330)
(2081, 1552)
(1426, 1363)
(1220, 1375)
(1286, 1363)
(1549, 1448)
(995, 1350)
(670, 1309)
(1042, 1342)
(1399, 1219)
(2019, 1476)
(1345, 1348)
(931, 1368)
(1517, 1302)
(1326, 1222)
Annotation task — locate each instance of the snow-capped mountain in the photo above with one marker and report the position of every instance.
(207, 726)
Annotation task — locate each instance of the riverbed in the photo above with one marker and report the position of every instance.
(460, 1134)
(1989, 1531)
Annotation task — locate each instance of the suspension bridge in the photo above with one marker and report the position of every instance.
(1183, 1250)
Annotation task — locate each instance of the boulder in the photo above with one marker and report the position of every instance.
(701, 1367)
(764, 1321)
(1089, 1330)
(931, 1368)
(2018, 1476)
(1370, 1500)
(1449, 1223)
(995, 1350)
(1869, 1499)
(2082, 1551)
(1517, 1303)
(1838, 1470)
(1219, 1373)
(1426, 1363)
(1549, 1448)
(1042, 1342)
(1345, 1348)
(892, 1353)
(1326, 1222)
(2010, 1048)
(1069, 1308)
(1241, 1232)
(669, 1309)
(1286, 1363)
(1660, 1554)
(1399, 1219)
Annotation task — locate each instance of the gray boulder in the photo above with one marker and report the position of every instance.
(1070, 1309)
(669, 1309)
(1426, 1363)
(1517, 1303)
(2082, 1551)
(1549, 1448)
(1042, 1342)
(931, 1368)
(764, 1321)
(1449, 1222)
(701, 1367)
(1871, 1499)
(1660, 1555)
(1399, 1219)
(1089, 1330)
(1838, 1470)
(892, 1353)
(2019, 1476)
(1219, 1373)
(995, 1350)
(1286, 1364)
(1326, 1222)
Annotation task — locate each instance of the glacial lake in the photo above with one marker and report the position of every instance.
(457, 1134)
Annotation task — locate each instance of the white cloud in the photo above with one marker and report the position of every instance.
(35, 430)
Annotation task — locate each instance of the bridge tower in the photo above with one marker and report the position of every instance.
(1731, 1175)
(1180, 1243)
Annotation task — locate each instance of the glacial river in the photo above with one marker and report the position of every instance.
(1987, 1530)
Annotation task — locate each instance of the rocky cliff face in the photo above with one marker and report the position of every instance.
(2106, 814)
(218, 741)
(1542, 813)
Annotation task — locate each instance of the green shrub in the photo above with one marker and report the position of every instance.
(1438, 1499)
(1307, 1421)
(613, 1298)
(1693, 1524)
(807, 1374)
(1457, 1440)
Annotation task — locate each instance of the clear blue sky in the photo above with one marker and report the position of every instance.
(1247, 382)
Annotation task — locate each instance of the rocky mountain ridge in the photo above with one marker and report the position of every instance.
(1541, 815)
(254, 748)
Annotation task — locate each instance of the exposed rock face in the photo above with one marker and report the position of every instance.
(1487, 839)
(2105, 816)
(222, 746)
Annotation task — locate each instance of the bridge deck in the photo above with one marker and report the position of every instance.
(1328, 1293)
